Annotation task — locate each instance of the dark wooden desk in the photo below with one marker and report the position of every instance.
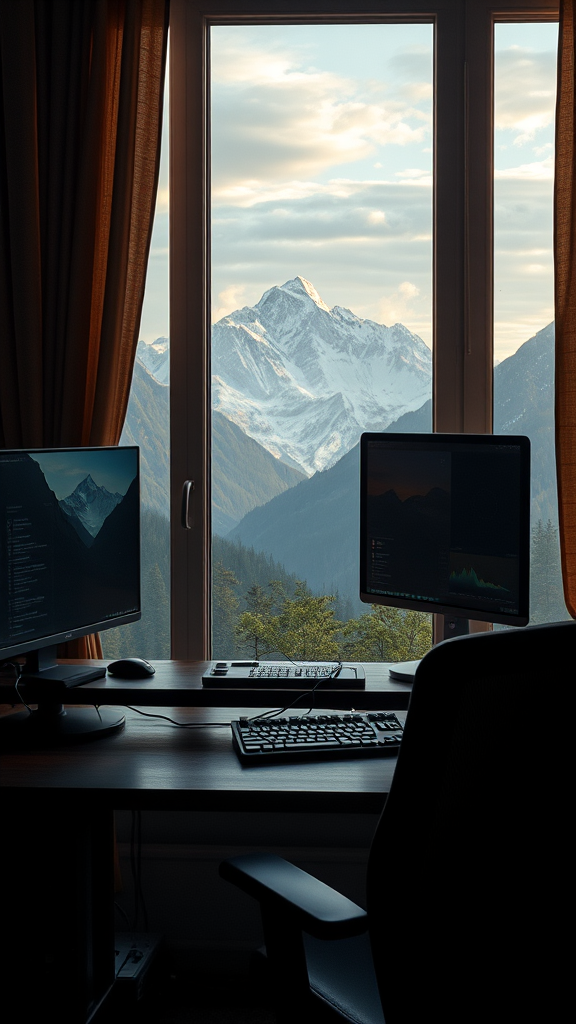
(179, 684)
(58, 815)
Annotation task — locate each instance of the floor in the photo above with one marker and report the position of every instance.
(171, 999)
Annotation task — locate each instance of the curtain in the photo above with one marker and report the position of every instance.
(81, 94)
(565, 299)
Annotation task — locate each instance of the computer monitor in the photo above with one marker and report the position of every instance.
(69, 566)
(445, 526)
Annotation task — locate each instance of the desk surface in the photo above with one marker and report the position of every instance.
(153, 765)
(179, 684)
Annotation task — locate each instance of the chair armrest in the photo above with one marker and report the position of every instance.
(317, 909)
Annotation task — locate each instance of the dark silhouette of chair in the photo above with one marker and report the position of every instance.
(465, 881)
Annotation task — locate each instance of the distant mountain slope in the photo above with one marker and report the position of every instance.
(155, 356)
(524, 404)
(148, 425)
(314, 528)
(305, 380)
(245, 474)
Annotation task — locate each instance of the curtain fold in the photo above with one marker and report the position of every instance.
(565, 298)
(81, 96)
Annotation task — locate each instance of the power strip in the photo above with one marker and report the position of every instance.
(135, 953)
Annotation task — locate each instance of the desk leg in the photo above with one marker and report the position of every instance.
(58, 912)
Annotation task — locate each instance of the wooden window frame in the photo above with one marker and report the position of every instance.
(462, 246)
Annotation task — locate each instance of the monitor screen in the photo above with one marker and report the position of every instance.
(69, 544)
(445, 524)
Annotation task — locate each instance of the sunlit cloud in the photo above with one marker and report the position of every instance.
(536, 268)
(396, 307)
(250, 193)
(291, 121)
(538, 169)
(229, 299)
(163, 200)
(525, 92)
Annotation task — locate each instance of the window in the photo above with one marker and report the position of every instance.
(462, 318)
(524, 107)
(321, 234)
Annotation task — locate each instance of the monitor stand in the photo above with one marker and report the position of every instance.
(404, 671)
(45, 683)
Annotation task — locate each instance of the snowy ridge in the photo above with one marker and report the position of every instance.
(304, 380)
(155, 356)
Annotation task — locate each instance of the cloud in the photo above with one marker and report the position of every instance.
(399, 307)
(274, 121)
(542, 170)
(525, 94)
(163, 200)
(323, 214)
(229, 299)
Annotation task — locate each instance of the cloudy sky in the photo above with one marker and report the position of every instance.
(321, 156)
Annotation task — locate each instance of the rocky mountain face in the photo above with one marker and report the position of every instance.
(155, 356)
(304, 380)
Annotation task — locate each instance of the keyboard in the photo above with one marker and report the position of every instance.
(282, 675)
(334, 736)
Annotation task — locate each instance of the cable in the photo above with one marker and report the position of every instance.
(271, 713)
(180, 725)
(18, 671)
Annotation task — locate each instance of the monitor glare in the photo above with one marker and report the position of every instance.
(69, 556)
(445, 525)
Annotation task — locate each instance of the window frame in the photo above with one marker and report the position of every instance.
(462, 243)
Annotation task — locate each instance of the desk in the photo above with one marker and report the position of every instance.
(179, 684)
(59, 804)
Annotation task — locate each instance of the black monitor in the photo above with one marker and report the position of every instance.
(445, 526)
(69, 566)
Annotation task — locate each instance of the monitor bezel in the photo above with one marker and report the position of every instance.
(456, 610)
(53, 639)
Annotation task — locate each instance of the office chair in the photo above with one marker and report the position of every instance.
(464, 886)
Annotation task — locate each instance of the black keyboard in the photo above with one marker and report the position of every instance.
(282, 675)
(333, 736)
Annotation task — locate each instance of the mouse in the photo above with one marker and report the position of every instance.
(130, 668)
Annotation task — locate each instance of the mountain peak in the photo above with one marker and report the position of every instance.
(301, 288)
(304, 380)
(87, 486)
(298, 288)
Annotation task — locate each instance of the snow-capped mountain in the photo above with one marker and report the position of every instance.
(304, 380)
(155, 356)
(90, 505)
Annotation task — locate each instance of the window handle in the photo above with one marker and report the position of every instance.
(187, 517)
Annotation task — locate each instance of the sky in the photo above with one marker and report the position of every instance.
(321, 167)
(114, 469)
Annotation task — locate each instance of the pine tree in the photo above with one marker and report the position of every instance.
(225, 605)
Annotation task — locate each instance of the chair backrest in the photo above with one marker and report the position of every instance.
(465, 859)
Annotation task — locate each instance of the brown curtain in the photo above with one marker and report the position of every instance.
(565, 298)
(81, 94)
